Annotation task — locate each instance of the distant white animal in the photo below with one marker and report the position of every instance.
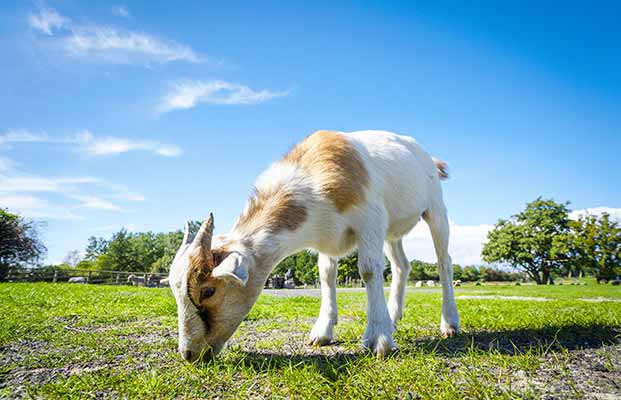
(431, 283)
(419, 284)
(457, 282)
(78, 279)
(333, 192)
(135, 280)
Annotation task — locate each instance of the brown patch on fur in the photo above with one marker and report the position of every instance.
(199, 276)
(273, 211)
(442, 168)
(334, 161)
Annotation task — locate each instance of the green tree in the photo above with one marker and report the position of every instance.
(303, 265)
(532, 240)
(594, 246)
(120, 253)
(470, 273)
(19, 243)
(95, 248)
(348, 268)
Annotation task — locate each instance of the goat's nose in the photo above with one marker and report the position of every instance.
(187, 355)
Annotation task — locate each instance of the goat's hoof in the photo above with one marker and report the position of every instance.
(318, 341)
(382, 345)
(448, 331)
(320, 335)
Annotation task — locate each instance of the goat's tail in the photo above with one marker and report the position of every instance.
(442, 168)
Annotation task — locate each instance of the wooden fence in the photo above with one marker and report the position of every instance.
(83, 276)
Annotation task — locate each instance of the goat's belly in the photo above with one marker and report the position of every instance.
(337, 244)
(399, 228)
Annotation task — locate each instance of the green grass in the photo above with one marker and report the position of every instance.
(60, 340)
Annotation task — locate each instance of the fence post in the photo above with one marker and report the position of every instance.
(55, 275)
(90, 273)
(118, 278)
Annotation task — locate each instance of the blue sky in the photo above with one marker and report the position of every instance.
(143, 115)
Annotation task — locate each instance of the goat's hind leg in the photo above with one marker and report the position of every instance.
(438, 225)
(323, 330)
(400, 269)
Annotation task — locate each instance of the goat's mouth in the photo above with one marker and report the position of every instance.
(206, 354)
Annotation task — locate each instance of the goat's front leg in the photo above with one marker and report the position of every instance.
(323, 330)
(378, 333)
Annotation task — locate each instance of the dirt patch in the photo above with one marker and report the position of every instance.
(590, 374)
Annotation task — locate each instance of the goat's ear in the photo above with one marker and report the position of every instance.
(234, 268)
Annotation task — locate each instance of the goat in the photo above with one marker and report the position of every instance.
(333, 192)
(136, 280)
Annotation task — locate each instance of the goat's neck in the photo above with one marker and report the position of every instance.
(268, 249)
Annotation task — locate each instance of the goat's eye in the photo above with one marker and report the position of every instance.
(207, 292)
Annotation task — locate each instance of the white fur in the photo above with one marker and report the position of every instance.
(404, 186)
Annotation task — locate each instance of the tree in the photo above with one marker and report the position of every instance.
(302, 264)
(348, 268)
(19, 242)
(532, 240)
(594, 246)
(120, 254)
(95, 248)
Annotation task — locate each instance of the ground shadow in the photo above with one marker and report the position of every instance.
(507, 342)
(521, 340)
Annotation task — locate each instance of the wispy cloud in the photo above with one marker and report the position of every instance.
(121, 11)
(87, 143)
(21, 136)
(34, 207)
(108, 44)
(30, 195)
(47, 21)
(187, 94)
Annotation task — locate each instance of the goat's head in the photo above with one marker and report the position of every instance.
(214, 291)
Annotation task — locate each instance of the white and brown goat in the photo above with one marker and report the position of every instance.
(333, 192)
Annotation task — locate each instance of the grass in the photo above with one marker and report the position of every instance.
(60, 340)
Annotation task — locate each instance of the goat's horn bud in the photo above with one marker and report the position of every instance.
(186, 233)
(205, 234)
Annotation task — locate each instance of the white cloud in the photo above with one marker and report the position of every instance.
(615, 213)
(34, 207)
(108, 44)
(465, 243)
(47, 21)
(23, 194)
(121, 11)
(21, 136)
(87, 143)
(187, 94)
(97, 203)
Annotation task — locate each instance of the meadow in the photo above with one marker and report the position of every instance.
(79, 341)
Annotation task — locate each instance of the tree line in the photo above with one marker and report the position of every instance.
(540, 243)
